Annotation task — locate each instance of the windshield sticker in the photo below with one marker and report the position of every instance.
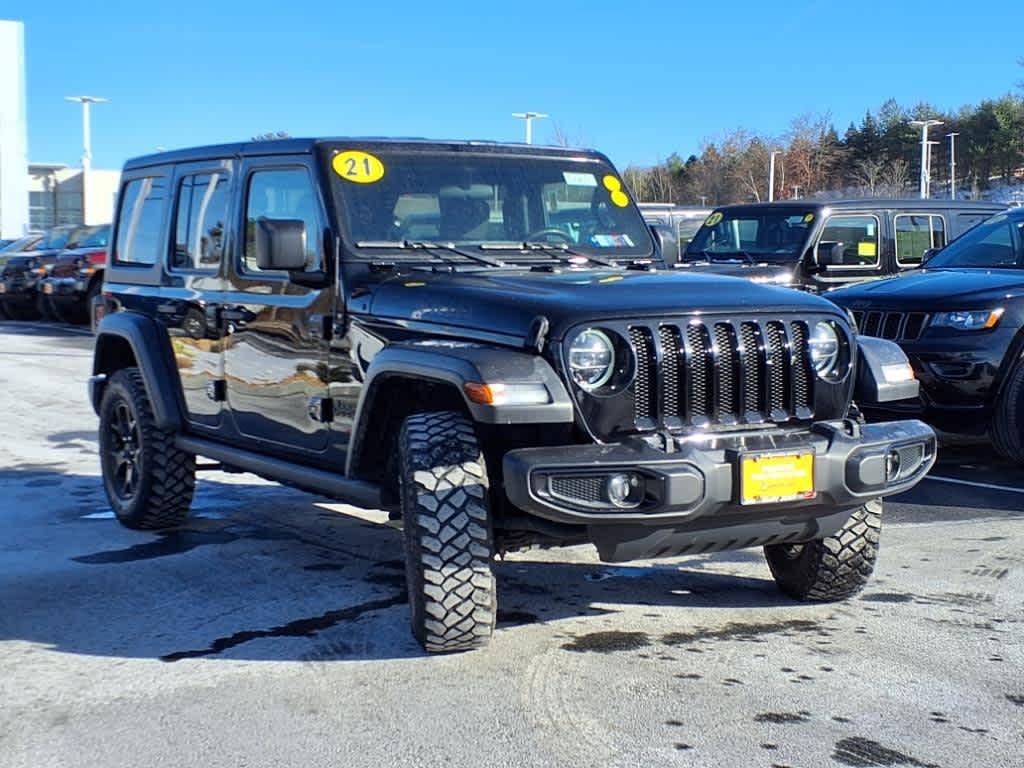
(612, 241)
(808, 218)
(614, 186)
(358, 167)
(713, 219)
(867, 249)
(579, 179)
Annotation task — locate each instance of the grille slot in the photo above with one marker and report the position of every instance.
(895, 326)
(587, 490)
(705, 373)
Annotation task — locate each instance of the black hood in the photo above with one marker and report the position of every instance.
(506, 302)
(771, 274)
(934, 289)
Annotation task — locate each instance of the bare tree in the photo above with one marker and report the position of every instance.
(637, 179)
(271, 136)
(868, 175)
(560, 137)
(896, 177)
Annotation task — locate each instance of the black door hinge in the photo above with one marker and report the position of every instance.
(321, 409)
(217, 390)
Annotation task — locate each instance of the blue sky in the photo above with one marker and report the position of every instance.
(638, 80)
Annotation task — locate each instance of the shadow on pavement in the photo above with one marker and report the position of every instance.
(260, 571)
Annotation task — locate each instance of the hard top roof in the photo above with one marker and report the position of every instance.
(308, 145)
(863, 204)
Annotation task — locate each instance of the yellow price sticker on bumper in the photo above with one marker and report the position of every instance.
(771, 478)
(358, 167)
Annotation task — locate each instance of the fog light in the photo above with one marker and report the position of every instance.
(624, 489)
(893, 463)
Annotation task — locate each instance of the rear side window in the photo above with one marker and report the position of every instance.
(859, 235)
(915, 234)
(139, 221)
(281, 193)
(199, 223)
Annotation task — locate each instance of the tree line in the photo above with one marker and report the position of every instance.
(879, 157)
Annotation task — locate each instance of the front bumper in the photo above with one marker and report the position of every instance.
(65, 288)
(699, 478)
(18, 290)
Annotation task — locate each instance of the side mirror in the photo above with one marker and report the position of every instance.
(830, 254)
(280, 244)
(658, 239)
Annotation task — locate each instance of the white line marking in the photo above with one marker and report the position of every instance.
(990, 486)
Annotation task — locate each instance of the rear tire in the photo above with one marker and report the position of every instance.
(3, 312)
(45, 308)
(447, 532)
(833, 568)
(148, 480)
(1007, 426)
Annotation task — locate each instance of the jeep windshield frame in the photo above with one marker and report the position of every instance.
(484, 204)
(752, 236)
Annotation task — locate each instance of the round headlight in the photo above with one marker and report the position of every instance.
(825, 348)
(591, 359)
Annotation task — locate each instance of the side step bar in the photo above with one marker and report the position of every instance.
(355, 492)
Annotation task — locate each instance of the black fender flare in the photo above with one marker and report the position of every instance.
(458, 364)
(154, 358)
(879, 378)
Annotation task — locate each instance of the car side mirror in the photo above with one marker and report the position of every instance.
(280, 244)
(658, 239)
(830, 254)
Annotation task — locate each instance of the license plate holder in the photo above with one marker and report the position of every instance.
(771, 478)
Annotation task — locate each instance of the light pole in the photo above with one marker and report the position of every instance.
(771, 174)
(796, 192)
(529, 117)
(952, 165)
(85, 101)
(924, 125)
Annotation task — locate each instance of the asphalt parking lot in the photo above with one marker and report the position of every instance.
(273, 631)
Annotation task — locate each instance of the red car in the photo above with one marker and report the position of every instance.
(76, 277)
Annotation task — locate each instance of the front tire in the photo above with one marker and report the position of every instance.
(148, 480)
(835, 567)
(447, 532)
(1007, 426)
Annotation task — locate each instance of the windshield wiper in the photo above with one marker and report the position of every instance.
(430, 249)
(727, 254)
(548, 249)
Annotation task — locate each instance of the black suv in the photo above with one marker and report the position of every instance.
(819, 245)
(22, 275)
(476, 336)
(960, 320)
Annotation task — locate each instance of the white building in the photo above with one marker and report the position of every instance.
(58, 194)
(13, 132)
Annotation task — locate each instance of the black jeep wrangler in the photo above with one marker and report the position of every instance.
(477, 337)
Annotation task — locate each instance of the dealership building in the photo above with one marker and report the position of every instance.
(35, 196)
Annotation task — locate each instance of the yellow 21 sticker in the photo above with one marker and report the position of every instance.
(357, 166)
(713, 219)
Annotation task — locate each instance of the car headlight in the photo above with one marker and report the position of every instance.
(591, 359)
(968, 320)
(825, 349)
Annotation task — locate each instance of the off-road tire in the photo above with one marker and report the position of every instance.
(447, 532)
(165, 476)
(3, 312)
(833, 568)
(1007, 426)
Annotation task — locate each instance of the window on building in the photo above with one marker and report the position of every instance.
(200, 220)
(140, 221)
(281, 194)
(915, 234)
(859, 235)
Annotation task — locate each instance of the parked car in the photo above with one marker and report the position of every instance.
(76, 277)
(818, 246)
(960, 320)
(528, 378)
(21, 276)
(676, 226)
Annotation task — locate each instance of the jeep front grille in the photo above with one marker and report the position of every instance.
(707, 373)
(895, 326)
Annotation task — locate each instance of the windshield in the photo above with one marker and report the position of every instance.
(56, 239)
(23, 244)
(395, 198)
(95, 238)
(761, 236)
(997, 242)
